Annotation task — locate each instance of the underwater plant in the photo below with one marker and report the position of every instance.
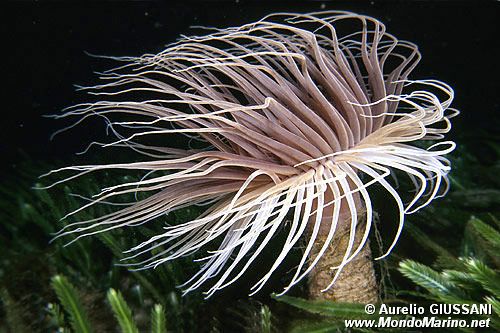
(300, 114)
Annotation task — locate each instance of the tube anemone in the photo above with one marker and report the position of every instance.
(302, 113)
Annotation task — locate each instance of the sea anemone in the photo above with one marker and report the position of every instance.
(301, 114)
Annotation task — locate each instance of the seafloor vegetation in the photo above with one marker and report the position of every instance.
(448, 254)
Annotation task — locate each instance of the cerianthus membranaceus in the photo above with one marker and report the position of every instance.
(302, 113)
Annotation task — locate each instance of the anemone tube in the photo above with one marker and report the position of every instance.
(301, 114)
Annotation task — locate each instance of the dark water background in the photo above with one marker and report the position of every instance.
(45, 44)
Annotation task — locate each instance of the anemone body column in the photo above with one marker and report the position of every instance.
(357, 282)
